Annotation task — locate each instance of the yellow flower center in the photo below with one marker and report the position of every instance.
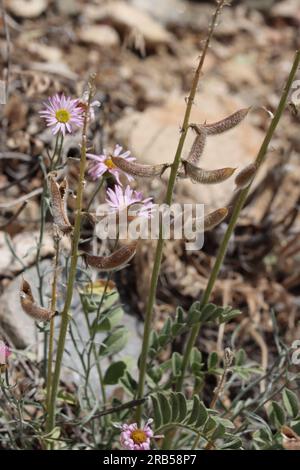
(62, 115)
(139, 436)
(109, 163)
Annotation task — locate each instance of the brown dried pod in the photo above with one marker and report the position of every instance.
(115, 261)
(199, 175)
(30, 307)
(245, 176)
(215, 218)
(198, 145)
(58, 194)
(225, 124)
(136, 169)
(291, 440)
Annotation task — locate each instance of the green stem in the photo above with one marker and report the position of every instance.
(65, 316)
(51, 333)
(44, 206)
(93, 332)
(168, 201)
(235, 214)
(98, 188)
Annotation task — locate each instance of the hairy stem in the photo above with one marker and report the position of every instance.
(44, 210)
(168, 200)
(235, 214)
(98, 188)
(51, 333)
(65, 316)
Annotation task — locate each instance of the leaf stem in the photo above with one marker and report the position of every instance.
(98, 188)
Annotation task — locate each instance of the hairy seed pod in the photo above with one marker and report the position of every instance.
(30, 307)
(199, 175)
(115, 261)
(291, 440)
(244, 177)
(198, 146)
(58, 193)
(215, 218)
(228, 357)
(225, 124)
(288, 432)
(136, 169)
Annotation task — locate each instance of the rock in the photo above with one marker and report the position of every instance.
(101, 35)
(45, 52)
(23, 333)
(152, 137)
(68, 7)
(128, 354)
(289, 9)
(178, 13)
(126, 17)
(18, 326)
(166, 11)
(24, 245)
(241, 70)
(27, 8)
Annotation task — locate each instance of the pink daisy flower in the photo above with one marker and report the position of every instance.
(135, 438)
(103, 163)
(63, 114)
(119, 200)
(5, 352)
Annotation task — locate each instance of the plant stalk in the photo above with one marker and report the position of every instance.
(236, 212)
(65, 316)
(168, 201)
(52, 321)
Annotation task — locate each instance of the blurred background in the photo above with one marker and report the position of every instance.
(144, 53)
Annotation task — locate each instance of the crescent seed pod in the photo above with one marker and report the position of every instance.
(215, 218)
(136, 169)
(199, 175)
(244, 177)
(291, 440)
(58, 194)
(225, 124)
(115, 261)
(198, 145)
(30, 307)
